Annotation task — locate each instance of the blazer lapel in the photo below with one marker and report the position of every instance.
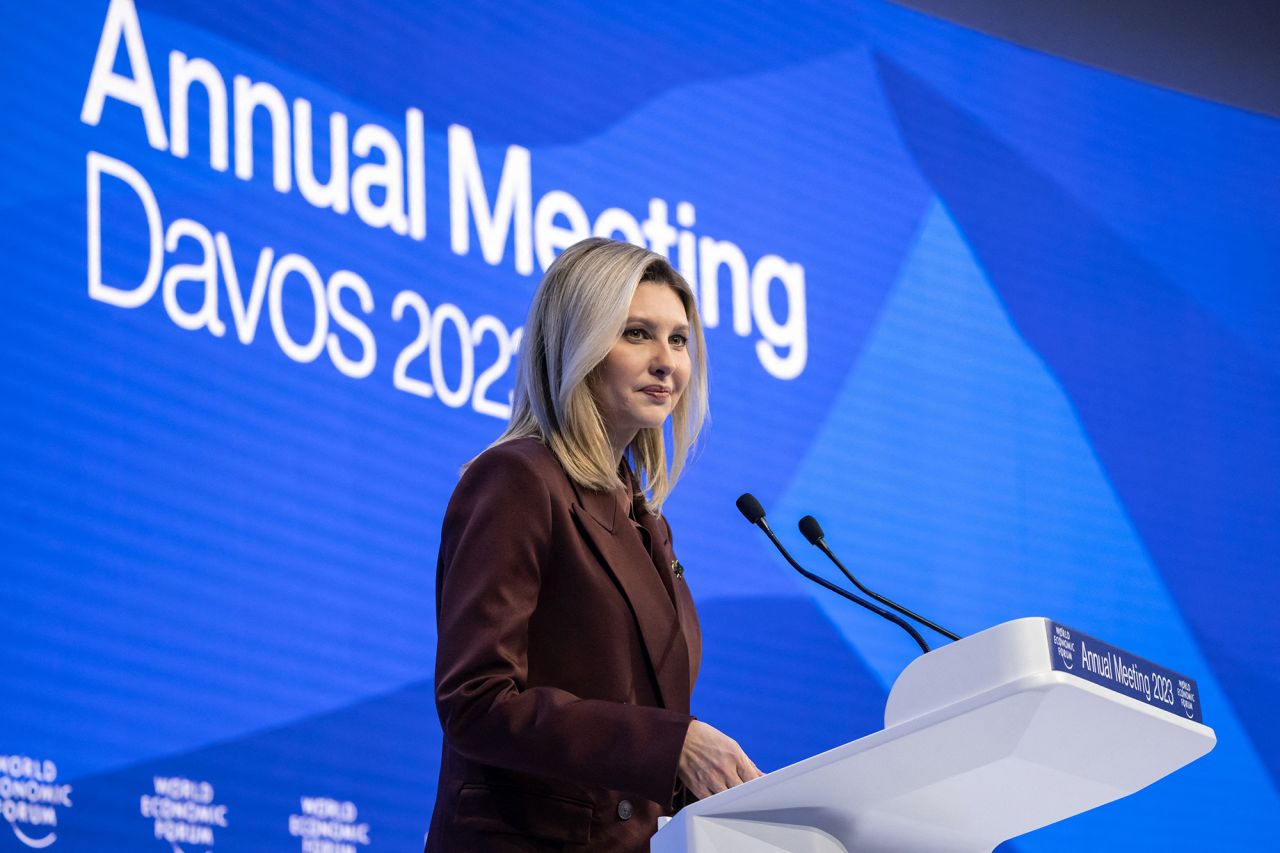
(661, 547)
(665, 558)
(624, 556)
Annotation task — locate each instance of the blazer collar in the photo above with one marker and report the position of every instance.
(623, 555)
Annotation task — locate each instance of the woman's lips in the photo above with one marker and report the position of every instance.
(657, 392)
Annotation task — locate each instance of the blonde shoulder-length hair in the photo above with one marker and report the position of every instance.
(578, 314)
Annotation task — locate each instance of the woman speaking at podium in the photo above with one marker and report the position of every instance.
(568, 643)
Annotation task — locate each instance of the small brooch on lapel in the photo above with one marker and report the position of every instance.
(677, 569)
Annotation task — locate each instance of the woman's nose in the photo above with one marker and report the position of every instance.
(661, 361)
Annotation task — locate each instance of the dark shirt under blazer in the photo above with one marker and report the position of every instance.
(567, 652)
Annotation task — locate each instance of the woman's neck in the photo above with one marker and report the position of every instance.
(620, 445)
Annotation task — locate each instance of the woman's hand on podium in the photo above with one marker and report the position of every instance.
(711, 761)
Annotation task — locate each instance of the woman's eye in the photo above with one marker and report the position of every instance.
(679, 340)
(635, 334)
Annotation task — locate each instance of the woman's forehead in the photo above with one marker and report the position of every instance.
(658, 299)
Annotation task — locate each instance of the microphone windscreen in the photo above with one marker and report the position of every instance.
(811, 529)
(750, 508)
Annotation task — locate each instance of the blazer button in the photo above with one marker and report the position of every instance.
(624, 809)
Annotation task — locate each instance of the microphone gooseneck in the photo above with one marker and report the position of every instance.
(812, 531)
(752, 510)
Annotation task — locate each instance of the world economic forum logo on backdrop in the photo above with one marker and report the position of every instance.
(31, 798)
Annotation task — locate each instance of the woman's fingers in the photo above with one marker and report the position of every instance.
(747, 770)
(712, 762)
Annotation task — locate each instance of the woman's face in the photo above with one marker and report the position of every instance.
(641, 379)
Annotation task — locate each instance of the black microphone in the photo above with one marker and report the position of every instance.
(813, 532)
(754, 513)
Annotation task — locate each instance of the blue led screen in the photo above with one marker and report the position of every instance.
(1005, 323)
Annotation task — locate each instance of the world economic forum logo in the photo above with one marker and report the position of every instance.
(1064, 647)
(30, 798)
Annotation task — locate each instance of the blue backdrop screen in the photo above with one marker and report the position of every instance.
(1005, 323)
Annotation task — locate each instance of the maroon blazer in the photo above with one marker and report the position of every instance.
(567, 651)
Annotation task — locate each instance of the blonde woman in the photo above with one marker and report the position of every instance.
(568, 642)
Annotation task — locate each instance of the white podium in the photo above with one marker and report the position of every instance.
(985, 739)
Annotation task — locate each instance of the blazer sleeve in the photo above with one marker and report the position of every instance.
(495, 544)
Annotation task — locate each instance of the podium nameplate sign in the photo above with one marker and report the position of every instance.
(1115, 669)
